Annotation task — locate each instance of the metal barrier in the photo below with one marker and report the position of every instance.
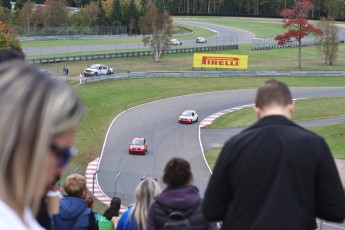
(128, 54)
(270, 43)
(118, 76)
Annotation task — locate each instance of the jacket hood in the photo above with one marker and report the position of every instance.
(71, 207)
(180, 198)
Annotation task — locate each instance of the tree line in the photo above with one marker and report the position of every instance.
(268, 8)
(31, 15)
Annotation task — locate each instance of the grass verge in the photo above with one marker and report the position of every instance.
(273, 60)
(306, 109)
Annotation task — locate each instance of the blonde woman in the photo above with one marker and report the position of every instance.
(38, 116)
(135, 217)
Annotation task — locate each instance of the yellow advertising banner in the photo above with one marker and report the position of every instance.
(220, 61)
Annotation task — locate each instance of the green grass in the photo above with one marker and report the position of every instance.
(211, 156)
(261, 27)
(306, 109)
(335, 136)
(275, 59)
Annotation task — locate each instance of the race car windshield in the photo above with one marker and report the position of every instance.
(187, 113)
(137, 142)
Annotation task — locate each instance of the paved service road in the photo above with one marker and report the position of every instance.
(226, 35)
(216, 138)
(157, 121)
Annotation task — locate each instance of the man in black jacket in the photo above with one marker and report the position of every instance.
(275, 174)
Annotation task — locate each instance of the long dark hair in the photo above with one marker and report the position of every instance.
(113, 209)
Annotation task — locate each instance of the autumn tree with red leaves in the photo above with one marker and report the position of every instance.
(296, 22)
(8, 40)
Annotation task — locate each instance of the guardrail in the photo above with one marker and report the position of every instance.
(86, 80)
(129, 54)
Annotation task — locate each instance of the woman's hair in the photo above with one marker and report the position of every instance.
(113, 209)
(33, 110)
(177, 172)
(75, 185)
(146, 190)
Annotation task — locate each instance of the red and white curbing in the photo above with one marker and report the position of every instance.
(93, 185)
(208, 120)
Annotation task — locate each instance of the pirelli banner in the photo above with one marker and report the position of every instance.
(220, 61)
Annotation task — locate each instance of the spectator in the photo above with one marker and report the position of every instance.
(111, 216)
(89, 201)
(74, 212)
(37, 122)
(179, 195)
(275, 174)
(135, 217)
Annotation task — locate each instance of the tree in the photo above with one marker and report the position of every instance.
(116, 13)
(89, 14)
(5, 14)
(328, 41)
(296, 22)
(102, 17)
(6, 4)
(8, 40)
(156, 29)
(25, 16)
(56, 13)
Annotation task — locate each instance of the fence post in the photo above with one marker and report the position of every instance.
(93, 182)
(115, 183)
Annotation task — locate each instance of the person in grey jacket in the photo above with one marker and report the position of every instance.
(275, 174)
(179, 195)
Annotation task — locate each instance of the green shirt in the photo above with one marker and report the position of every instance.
(104, 223)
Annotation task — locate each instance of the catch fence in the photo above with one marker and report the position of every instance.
(46, 33)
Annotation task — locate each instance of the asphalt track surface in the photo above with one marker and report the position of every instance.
(157, 122)
(226, 35)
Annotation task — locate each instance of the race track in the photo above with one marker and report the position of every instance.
(226, 36)
(157, 121)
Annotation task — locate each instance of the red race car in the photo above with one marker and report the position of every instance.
(138, 146)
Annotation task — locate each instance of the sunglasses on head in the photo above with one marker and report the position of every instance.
(64, 154)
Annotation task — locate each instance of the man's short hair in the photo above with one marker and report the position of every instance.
(273, 92)
(75, 185)
(11, 54)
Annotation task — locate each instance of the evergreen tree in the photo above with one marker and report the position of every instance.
(19, 4)
(102, 17)
(6, 4)
(116, 13)
(131, 16)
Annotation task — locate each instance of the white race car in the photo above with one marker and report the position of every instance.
(188, 116)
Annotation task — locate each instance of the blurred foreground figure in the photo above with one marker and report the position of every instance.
(37, 120)
(275, 174)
